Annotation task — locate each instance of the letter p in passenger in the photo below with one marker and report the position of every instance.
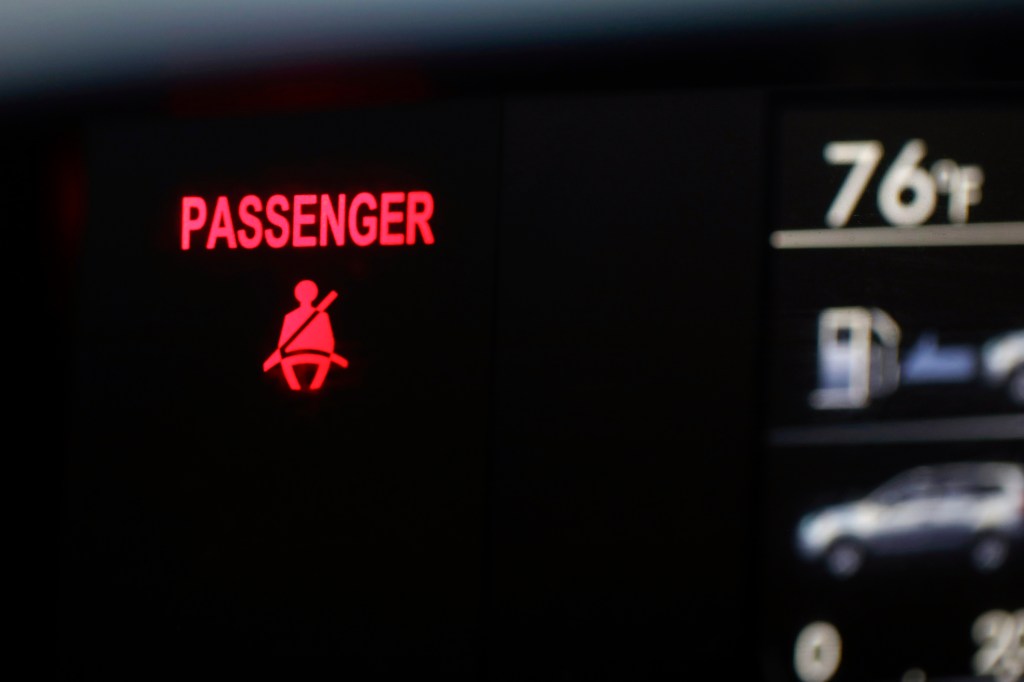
(193, 217)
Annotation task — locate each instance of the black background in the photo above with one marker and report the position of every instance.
(971, 128)
(211, 507)
(642, 628)
(624, 401)
(964, 295)
(897, 613)
(544, 454)
(916, 611)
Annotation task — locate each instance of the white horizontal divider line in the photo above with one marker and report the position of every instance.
(974, 234)
(1008, 427)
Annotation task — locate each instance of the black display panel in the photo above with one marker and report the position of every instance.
(211, 506)
(893, 528)
(620, 385)
(625, 393)
(910, 216)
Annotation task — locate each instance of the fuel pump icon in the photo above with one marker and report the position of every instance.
(858, 357)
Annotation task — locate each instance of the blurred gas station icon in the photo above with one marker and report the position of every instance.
(306, 338)
(857, 357)
(859, 360)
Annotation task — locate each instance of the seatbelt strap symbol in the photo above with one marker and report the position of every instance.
(275, 357)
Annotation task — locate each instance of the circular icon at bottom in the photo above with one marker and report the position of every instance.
(817, 652)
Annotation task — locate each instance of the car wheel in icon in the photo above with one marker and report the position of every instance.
(989, 553)
(844, 558)
(1015, 387)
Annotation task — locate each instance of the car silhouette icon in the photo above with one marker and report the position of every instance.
(1003, 364)
(974, 507)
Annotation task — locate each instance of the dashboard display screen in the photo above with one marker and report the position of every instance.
(613, 385)
(283, 377)
(895, 488)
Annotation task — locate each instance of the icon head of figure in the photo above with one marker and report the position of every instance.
(305, 292)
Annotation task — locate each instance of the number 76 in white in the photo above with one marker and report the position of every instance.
(907, 193)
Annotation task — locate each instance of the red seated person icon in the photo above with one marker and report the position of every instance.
(306, 338)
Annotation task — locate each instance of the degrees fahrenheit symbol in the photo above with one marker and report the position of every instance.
(306, 338)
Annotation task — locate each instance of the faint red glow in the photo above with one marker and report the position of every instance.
(69, 185)
(306, 338)
(302, 87)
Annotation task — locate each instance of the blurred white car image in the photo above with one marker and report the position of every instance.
(977, 508)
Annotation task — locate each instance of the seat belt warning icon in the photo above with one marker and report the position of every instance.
(306, 338)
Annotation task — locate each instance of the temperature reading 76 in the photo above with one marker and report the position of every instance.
(908, 193)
